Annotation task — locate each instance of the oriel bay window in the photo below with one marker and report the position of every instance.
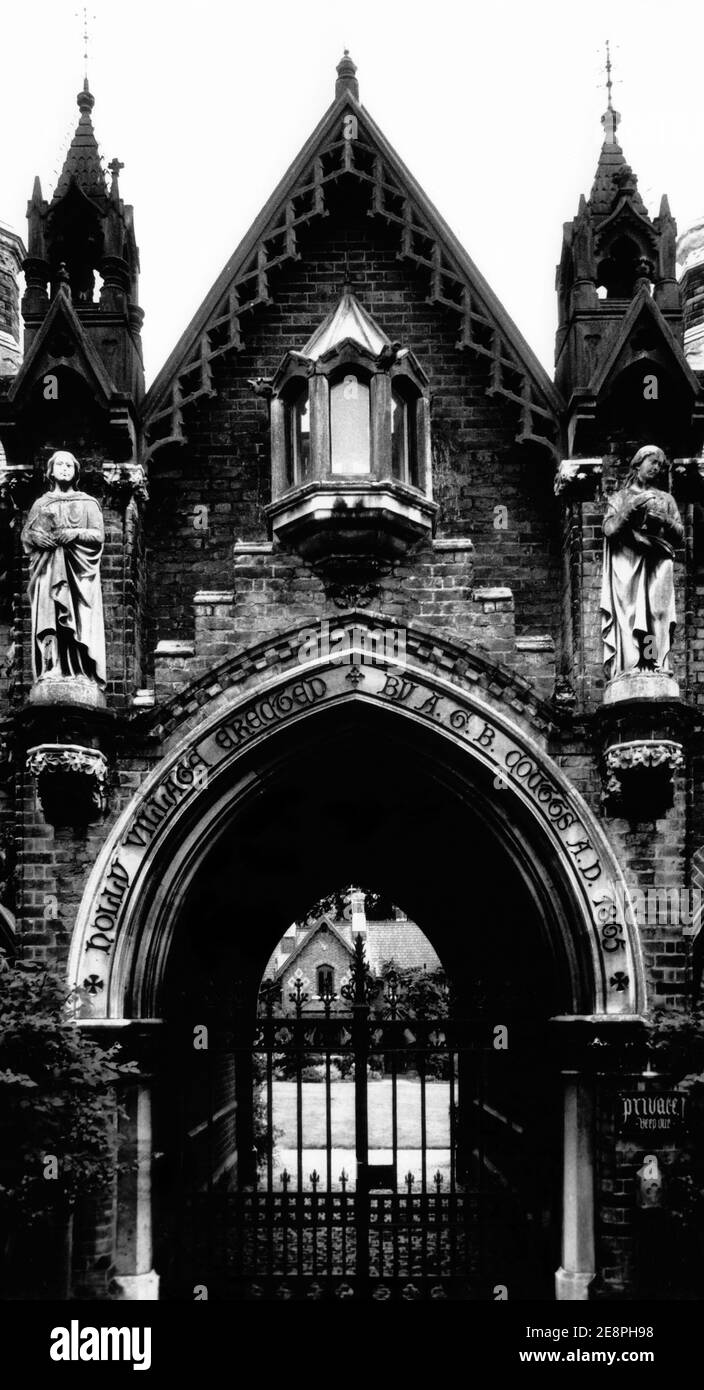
(350, 442)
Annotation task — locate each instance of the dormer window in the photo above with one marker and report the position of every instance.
(350, 442)
(350, 433)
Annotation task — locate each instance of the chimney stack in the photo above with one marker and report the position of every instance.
(359, 916)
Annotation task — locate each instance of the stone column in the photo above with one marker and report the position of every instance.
(319, 427)
(425, 460)
(381, 425)
(577, 1270)
(279, 480)
(136, 1279)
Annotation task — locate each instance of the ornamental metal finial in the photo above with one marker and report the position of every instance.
(611, 118)
(86, 37)
(356, 988)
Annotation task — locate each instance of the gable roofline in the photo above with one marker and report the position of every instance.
(465, 266)
(62, 307)
(643, 303)
(626, 209)
(163, 379)
(326, 922)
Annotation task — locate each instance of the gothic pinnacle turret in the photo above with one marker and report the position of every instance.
(83, 240)
(617, 265)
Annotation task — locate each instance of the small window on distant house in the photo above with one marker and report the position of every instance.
(326, 980)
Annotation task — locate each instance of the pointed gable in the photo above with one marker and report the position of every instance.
(347, 144)
(325, 924)
(62, 340)
(644, 334)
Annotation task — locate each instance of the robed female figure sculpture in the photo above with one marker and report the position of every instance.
(642, 527)
(64, 538)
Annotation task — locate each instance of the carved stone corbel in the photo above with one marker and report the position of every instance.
(578, 479)
(124, 481)
(639, 777)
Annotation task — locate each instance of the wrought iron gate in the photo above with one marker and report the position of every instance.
(406, 1228)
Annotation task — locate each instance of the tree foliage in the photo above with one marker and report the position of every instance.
(58, 1108)
(378, 907)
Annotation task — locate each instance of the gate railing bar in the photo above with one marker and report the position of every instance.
(343, 1184)
(438, 1180)
(299, 997)
(481, 1179)
(409, 1223)
(314, 1180)
(270, 1120)
(453, 1119)
(328, 998)
(285, 1179)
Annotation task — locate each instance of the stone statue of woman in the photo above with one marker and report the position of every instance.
(64, 538)
(642, 527)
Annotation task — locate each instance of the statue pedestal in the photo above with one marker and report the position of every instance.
(67, 731)
(641, 685)
(642, 726)
(67, 690)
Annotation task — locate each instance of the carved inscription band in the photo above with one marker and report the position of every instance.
(515, 766)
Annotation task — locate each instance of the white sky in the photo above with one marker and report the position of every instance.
(493, 104)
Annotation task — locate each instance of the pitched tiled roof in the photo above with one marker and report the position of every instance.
(400, 941)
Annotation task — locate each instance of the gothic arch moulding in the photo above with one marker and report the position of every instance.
(163, 835)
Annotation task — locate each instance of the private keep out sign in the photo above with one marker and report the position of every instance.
(661, 1113)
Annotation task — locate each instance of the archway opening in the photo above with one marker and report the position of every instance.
(308, 1082)
(373, 804)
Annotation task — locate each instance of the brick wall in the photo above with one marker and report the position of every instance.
(225, 464)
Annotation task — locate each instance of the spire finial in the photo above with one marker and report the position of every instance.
(611, 118)
(86, 36)
(85, 100)
(346, 80)
(609, 83)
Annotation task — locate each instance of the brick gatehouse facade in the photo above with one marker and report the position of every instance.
(351, 587)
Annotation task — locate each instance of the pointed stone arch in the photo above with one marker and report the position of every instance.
(122, 931)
